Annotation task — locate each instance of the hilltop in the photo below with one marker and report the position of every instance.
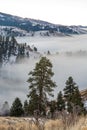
(18, 26)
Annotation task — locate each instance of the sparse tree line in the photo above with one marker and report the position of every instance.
(9, 47)
(41, 86)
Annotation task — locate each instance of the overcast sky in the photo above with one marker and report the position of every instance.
(66, 12)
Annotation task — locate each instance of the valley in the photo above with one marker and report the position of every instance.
(67, 54)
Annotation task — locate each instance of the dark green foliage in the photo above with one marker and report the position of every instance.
(72, 95)
(60, 102)
(16, 108)
(33, 102)
(26, 108)
(41, 84)
(53, 107)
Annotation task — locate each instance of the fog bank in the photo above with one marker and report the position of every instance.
(13, 78)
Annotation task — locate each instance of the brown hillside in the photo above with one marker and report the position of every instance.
(84, 94)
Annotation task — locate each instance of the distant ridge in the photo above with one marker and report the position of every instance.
(27, 24)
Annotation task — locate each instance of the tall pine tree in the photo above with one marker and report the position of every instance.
(40, 82)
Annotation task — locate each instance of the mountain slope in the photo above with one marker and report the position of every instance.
(33, 25)
(24, 23)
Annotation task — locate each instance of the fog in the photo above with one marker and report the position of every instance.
(13, 78)
(57, 44)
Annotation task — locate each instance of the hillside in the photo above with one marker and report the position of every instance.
(84, 94)
(11, 51)
(18, 26)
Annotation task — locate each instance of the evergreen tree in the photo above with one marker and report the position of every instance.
(40, 82)
(53, 107)
(12, 46)
(72, 95)
(33, 102)
(60, 102)
(26, 108)
(8, 47)
(13, 41)
(16, 109)
(35, 49)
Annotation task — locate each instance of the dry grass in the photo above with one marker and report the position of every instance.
(54, 125)
(28, 124)
(84, 128)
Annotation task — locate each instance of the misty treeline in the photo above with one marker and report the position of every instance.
(41, 87)
(10, 47)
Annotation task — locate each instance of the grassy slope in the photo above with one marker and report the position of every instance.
(7, 123)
